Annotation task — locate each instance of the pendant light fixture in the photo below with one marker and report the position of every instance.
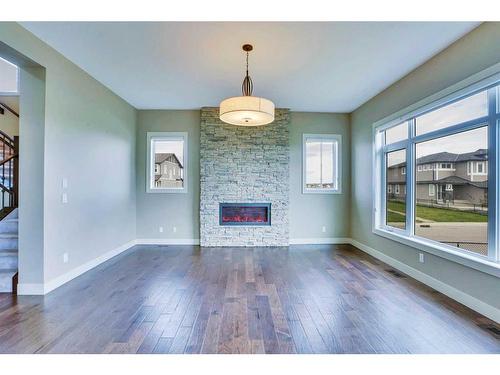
(247, 110)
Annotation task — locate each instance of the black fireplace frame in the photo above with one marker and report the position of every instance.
(246, 223)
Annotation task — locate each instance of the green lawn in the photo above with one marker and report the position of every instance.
(393, 217)
(437, 214)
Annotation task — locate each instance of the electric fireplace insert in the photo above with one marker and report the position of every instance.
(245, 213)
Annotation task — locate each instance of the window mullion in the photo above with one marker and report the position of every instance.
(410, 179)
(493, 163)
(383, 201)
(321, 163)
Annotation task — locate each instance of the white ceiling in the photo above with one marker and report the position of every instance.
(311, 66)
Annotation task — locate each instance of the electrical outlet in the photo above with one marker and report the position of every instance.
(174, 229)
(64, 183)
(65, 257)
(64, 198)
(323, 229)
(421, 257)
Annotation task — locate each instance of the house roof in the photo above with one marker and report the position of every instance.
(448, 157)
(161, 157)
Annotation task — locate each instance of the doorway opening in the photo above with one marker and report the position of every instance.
(9, 175)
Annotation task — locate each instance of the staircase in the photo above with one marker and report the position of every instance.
(8, 252)
(8, 212)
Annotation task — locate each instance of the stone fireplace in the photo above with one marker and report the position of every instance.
(244, 182)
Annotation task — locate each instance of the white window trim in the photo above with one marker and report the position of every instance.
(403, 170)
(396, 190)
(338, 165)
(151, 136)
(432, 190)
(474, 83)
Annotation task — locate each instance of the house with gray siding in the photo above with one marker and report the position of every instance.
(444, 177)
(168, 171)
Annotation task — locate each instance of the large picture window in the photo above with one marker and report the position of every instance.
(443, 156)
(166, 162)
(321, 164)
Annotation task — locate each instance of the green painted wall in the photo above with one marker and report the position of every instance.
(87, 134)
(180, 210)
(471, 54)
(9, 123)
(308, 212)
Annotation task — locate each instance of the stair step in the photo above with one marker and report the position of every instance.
(9, 241)
(6, 280)
(9, 226)
(8, 259)
(6, 252)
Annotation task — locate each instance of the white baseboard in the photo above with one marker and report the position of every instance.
(167, 241)
(41, 289)
(466, 299)
(320, 241)
(30, 289)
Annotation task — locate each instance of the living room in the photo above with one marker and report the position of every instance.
(249, 187)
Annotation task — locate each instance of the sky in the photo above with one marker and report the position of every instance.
(175, 147)
(466, 109)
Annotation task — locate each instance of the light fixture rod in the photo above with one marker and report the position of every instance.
(247, 85)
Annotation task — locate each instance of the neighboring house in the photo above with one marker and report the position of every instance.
(169, 172)
(444, 177)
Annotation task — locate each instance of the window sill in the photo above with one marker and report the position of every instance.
(480, 264)
(321, 191)
(167, 191)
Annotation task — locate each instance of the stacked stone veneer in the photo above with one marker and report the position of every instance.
(244, 164)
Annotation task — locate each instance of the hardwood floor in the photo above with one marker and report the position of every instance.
(187, 299)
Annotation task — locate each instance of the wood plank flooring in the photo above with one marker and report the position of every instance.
(187, 299)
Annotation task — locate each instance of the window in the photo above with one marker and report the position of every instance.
(167, 157)
(460, 215)
(395, 203)
(472, 107)
(403, 170)
(446, 166)
(432, 190)
(396, 133)
(321, 164)
(447, 208)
